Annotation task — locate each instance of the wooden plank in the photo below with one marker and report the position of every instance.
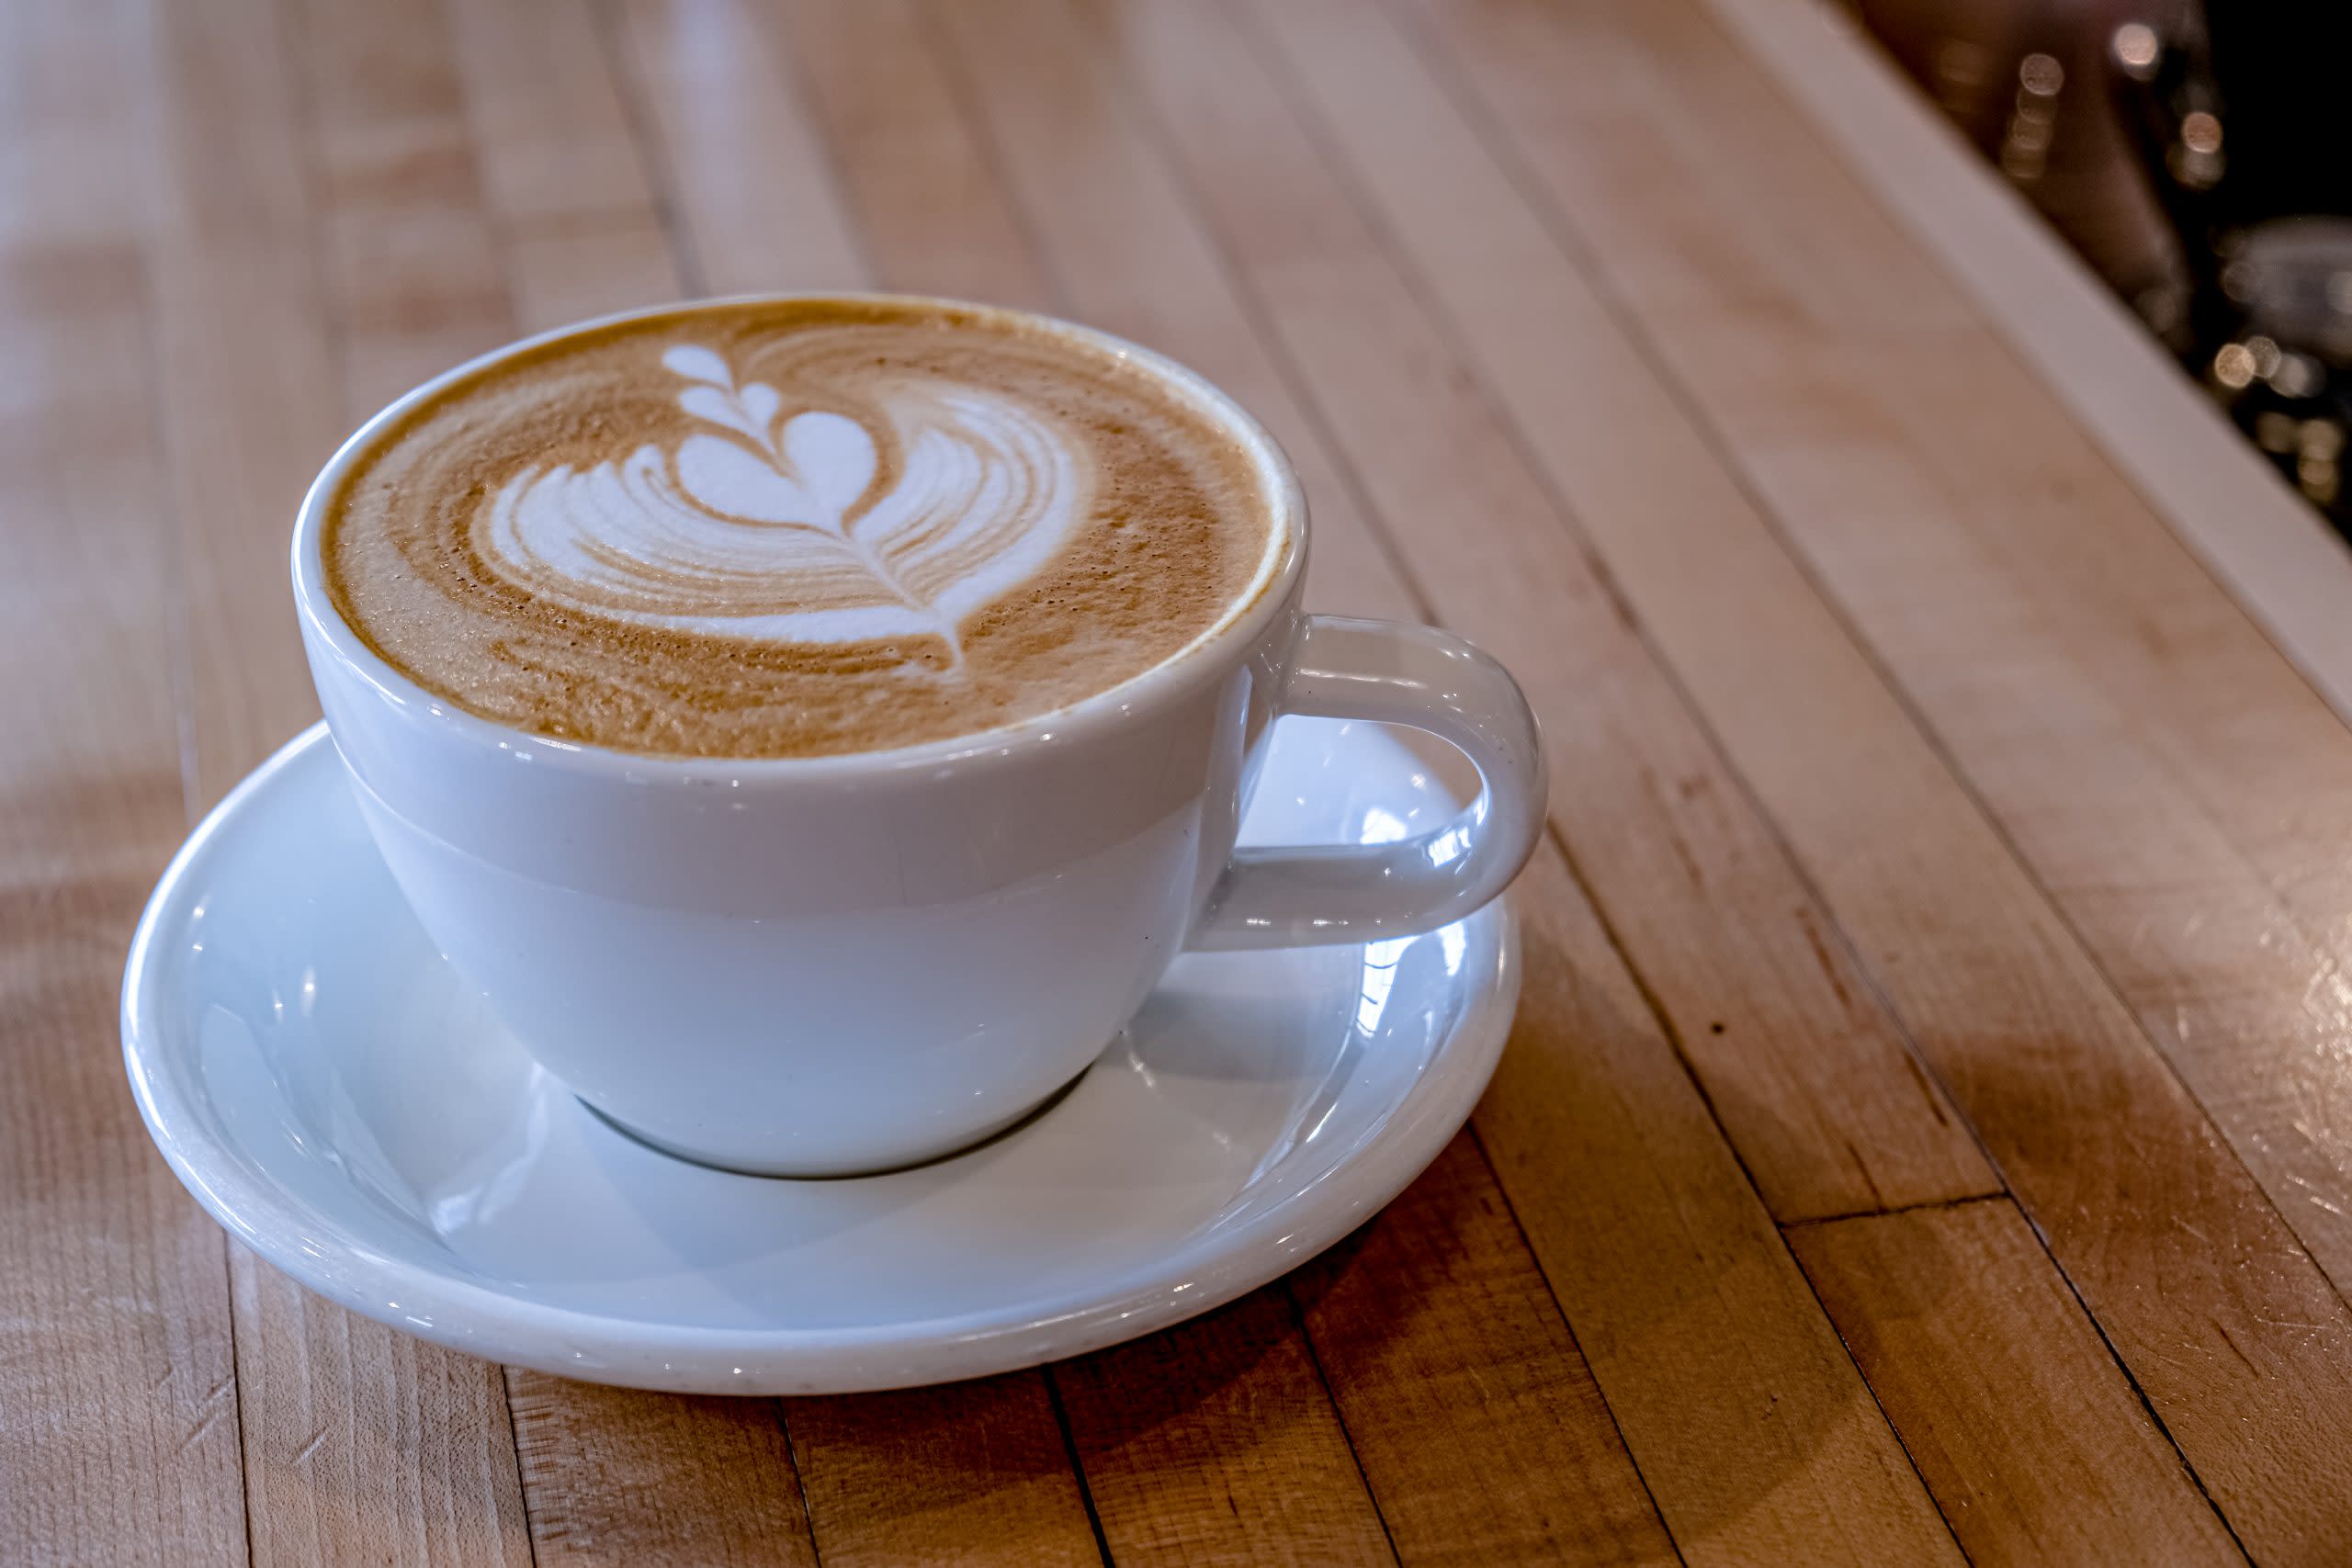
(1819, 1091)
(2047, 627)
(922, 186)
(573, 273)
(744, 170)
(2167, 1237)
(2026, 1428)
(116, 1369)
(1755, 1432)
(77, 137)
(2222, 498)
(2096, 687)
(246, 377)
(1115, 227)
(359, 1443)
(364, 1445)
(1216, 1443)
(968, 1472)
(550, 138)
(2137, 613)
(2045, 624)
(412, 268)
(620, 1476)
(1464, 1395)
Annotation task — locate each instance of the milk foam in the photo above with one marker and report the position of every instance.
(794, 527)
(777, 525)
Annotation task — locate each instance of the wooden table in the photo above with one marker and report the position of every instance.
(1928, 1126)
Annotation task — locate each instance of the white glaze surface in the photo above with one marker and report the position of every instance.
(320, 1080)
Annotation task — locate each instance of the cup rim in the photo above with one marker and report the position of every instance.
(1164, 684)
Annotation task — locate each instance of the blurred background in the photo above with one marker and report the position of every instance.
(2200, 157)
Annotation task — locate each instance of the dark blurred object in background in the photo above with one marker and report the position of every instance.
(2200, 157)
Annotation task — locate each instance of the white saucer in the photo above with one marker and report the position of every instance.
(322, 1083)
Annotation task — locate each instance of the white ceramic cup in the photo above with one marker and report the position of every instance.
(828, 964)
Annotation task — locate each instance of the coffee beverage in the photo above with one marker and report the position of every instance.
(797, 527)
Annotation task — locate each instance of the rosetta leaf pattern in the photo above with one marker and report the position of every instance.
(776, 520)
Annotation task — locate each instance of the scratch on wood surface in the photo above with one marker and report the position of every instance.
(195, 1434)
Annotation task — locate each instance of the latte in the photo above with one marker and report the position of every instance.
(795, 527)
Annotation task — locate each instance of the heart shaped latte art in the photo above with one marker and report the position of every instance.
(781, 523)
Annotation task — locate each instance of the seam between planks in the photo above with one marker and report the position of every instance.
(645, 134)
(2292, 582)
(514, 1430)
(1551, 1294)
(1278, 352)
(1992, 322)
(778, 1409)
(1076, 1466)
(1705, 427)
(954, 70)
(2130, 1380)
(1323, 1382)
(1570, 524)
(1578, 253)
(773, 30)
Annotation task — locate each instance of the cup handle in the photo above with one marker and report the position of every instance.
(1394, 673)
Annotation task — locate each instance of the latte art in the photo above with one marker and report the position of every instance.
(795, 527)
(783, 525)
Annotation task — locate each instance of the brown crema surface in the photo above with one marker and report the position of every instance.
(1171, 531)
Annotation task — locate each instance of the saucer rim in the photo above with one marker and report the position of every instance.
(479, 1320)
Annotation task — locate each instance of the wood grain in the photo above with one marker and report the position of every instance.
(935, 216)
(574, 274)
(358, 1442)
(970, 1473)
(1465, 1398)
(117, 1390)
(1115, 226)
(610, 1475)
(739, 161)
(1216, 1443)
(2086, 348)
(2156, 1222)
(552, 142)
(911, 261)
(1819, 1091)
(618, 1476)
(1985, 550)
(1757, 1436)
(246, 378)
(406, 247)
(2027, 1430)
(364, 1445)
(1117, 231)
(1928, 818)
